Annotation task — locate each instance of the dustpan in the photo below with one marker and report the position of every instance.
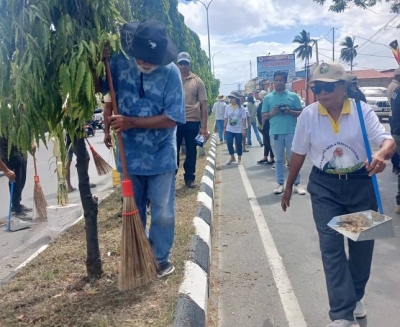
(13, 224)
(374, 224)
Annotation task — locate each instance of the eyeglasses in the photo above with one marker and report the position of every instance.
(327, 87)
(183, 63)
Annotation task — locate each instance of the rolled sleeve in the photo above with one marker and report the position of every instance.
(301, 140)
(174, 100)
(376, 131)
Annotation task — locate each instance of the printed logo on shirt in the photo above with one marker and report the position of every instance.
(394, 95)
(340, 158)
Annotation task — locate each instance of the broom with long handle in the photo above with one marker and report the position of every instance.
(138, 265)
(38, 196)
(102, 166)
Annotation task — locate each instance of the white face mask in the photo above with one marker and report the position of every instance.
(144, 70)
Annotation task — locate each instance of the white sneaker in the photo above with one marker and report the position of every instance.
(344, 323)
(273, 167)
(299, 189)
(278, 189)
(360, 311)
(230, 161)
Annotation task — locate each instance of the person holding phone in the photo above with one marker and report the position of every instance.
(282, 108)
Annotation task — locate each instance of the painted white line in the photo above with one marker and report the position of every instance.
(210, 170)
(204, 198)
(212, 161)
(202, 230)
(208, 181)
(195, 284)
(211, 153)
(33, 256)
(289, 301)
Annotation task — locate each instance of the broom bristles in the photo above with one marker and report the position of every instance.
(40, 201)
(102, 166)
(138, 265)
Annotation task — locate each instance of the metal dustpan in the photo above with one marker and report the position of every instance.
(13, 224)
(375, 226)
(365, 225)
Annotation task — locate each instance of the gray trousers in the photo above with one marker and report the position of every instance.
(346, 278)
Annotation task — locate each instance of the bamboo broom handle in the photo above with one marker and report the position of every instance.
(115, 110)
(34, 164)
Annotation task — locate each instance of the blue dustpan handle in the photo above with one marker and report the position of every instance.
(10, 206)
(369, 156)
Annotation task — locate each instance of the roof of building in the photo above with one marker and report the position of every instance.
(371, 74)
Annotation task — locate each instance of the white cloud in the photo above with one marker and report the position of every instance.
(234, 23)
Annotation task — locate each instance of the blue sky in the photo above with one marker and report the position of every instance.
(241, 30)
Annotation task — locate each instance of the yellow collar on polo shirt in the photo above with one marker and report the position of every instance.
(345, 111)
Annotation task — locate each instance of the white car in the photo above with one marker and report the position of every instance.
(377, 99)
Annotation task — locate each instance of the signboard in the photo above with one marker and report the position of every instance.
(268, 65)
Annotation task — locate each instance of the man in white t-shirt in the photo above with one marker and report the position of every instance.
(341, 160)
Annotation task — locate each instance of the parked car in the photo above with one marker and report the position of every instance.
(377, 99)
(97, 117)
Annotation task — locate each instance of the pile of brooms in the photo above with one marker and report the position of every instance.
(138, 265)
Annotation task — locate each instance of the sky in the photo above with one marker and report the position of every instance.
(241, 30)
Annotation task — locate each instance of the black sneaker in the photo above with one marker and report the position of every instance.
(165, 269)
(190, 184)
(19, 214)
(25, 209)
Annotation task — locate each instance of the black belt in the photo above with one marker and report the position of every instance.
(360, 174)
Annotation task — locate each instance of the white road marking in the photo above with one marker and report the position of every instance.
(289, 301)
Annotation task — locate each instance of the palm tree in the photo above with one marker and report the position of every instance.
(349, 51)
(304, 52)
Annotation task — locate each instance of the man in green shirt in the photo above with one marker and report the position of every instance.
(282, 108)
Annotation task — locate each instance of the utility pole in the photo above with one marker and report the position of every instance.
(333, 44)
(251, 78)
(316, 52)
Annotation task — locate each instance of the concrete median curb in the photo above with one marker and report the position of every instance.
(14, 272)
(191, 307)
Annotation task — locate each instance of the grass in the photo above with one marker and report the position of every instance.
(52, 290)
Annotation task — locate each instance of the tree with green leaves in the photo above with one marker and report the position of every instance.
(349, 50)
(342, 5)
(50, 57)
(304, 52)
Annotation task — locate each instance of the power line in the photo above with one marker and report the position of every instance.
(362, 54)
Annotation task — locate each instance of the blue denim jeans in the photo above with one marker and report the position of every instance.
(220, 128)
(238, 137)
(160, 191)
(279, 143)
(255, 129)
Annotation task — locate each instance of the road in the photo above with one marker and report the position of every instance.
(16, 247)
(267, 269)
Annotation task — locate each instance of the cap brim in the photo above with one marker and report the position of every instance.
(128, 30)
(327, 80)
(187, 60)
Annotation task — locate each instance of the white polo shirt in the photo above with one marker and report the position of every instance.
(337, 147)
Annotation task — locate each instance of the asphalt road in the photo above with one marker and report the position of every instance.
(254, 286)
(17, 246)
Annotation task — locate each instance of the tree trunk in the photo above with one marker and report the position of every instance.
(90, 210)
(351, 64)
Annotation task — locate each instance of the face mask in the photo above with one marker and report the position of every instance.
(146, 71)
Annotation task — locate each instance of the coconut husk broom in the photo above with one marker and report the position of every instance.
(138, 265)
(38, 196)
(102, 166)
